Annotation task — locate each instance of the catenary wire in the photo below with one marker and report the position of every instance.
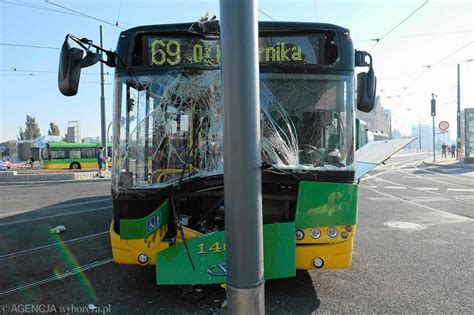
(396, 26)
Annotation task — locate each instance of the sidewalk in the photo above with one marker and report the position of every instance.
(447, 162)
(13, 176)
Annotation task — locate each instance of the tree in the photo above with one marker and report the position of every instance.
(53, 129)
(21, 136)
(32, 130)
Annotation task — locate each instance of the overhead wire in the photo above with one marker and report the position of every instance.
(377, 40)
(415, 35)
(45, 71)
(429, 67)
(34, 6)
(83, 14)
(29, 46)
(118, 17)
(267, 15)
(38, 7)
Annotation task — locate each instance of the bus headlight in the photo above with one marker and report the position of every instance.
(143, 259)
(318, 262)
(344, 234)
(332, 232)
(348, 228)
(315, 233)
(299, 235)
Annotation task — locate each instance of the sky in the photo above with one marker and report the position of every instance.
(417, 58)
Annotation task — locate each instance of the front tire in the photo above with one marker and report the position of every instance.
(75, 166)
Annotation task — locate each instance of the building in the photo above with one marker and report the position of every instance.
(424, 135)
(467, 134)
(73, 132)
(379, 119)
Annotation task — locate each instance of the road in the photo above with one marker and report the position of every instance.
(413, 251)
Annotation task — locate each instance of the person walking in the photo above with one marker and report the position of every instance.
(443, 150)
(453, 151)
(101, 162)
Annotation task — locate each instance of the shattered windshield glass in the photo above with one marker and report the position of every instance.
(169, 124)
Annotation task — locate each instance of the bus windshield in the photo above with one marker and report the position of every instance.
(169, 123)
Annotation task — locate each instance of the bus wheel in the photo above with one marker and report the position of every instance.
(75, 166)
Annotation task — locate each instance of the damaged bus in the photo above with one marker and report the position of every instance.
(167, 174)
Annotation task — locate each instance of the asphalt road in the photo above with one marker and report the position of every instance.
(413, 251)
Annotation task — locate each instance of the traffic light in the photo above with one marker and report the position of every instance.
(433, 106)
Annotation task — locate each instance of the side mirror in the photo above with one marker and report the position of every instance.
(366, 86)
(70, 64)
(69, 69)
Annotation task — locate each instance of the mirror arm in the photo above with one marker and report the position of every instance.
(84, 41)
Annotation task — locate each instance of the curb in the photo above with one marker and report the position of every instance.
(14, 177)
(448, 165)
(65, 181)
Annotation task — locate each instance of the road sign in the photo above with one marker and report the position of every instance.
(443, 125)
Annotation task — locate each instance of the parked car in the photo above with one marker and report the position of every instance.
(4, 166)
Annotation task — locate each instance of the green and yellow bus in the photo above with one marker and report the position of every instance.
(75, 156)
(167, 179)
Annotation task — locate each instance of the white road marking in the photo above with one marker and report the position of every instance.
(458, 189)
(448, 215)
(432, 179)
(379, 198)
(427, 191)
(370, 186)
(394, 187)
(427, 188)
(428, 199)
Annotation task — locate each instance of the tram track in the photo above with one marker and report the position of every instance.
(49, 262)
(54, 216)
(56, 277)
(43, 247)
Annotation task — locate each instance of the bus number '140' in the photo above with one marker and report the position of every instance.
(215, 248)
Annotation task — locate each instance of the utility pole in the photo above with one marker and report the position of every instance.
(102, 100)
(458, 135)
(433, 114)
(242, 161)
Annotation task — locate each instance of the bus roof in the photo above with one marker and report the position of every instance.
(128, 38)
(265, 26)
(75, 145)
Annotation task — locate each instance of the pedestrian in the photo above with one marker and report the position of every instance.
(453, 151)
(101, 162)
(443, 150)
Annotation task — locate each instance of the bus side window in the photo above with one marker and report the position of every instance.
(45, 153)
(74, 153)
(58, 154)
(88, 152)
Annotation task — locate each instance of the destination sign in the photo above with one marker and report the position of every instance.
(283, 50)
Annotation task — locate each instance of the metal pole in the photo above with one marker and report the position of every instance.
(242, 161)
(107, 139)
(102, 100)
(458, 136)
(433, 114)
(434, 147)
